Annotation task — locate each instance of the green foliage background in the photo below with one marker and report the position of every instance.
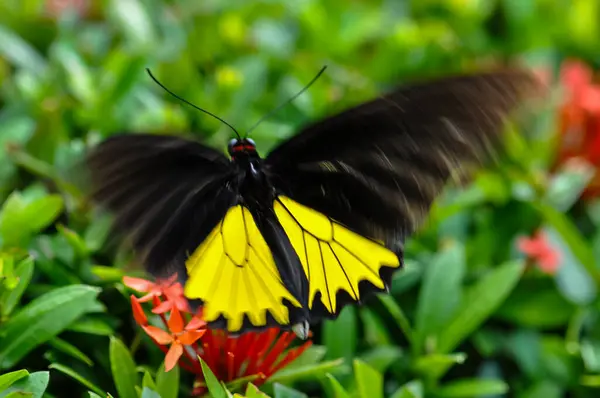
(466, 318)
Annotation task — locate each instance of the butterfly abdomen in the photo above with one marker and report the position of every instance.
(286, 258)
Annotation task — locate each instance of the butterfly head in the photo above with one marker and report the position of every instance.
(242, 147)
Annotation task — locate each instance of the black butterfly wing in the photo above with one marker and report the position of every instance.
(376, 169)
(166, 194)
(179, 204)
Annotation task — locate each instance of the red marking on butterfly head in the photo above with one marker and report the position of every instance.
(244, 146)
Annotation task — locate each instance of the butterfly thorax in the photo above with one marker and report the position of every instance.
(254, 188)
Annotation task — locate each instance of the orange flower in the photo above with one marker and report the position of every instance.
(252, 356)
(178, 337)
(171, 290)
(138, 312)
(539, 250)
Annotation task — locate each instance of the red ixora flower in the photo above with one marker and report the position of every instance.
(177, 337)
(258, 354)
(539, 250)
(253, 356)
(169, 289)
(580, 119)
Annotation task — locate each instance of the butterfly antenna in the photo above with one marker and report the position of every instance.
(272, 112)
(192, 105)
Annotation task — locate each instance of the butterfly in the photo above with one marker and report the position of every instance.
(319, 222)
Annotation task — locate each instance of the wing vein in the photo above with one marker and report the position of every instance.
(213, 286)
(343, 270)
(305, 253)
(325, 275)
(265, 287)
(358, 258)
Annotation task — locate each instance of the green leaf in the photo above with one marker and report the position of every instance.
(10, 216)
(558, 363)
(338, 390)
(412, 389)
(572, 279)
(8, 276)
(398, 315)
(480, 301)
(440, 293)
(20, 53)
(472, 388)
(79, 77)
(167, 383)
(147, 381)
(253, 392)
(34, 385)
(571, 236)
(76, 376)
(409, 276)
(123, 369)
(17, 394)
(7, 379)
(340, 336)
(149, 393)
(107, 274)
(215, 388)
(19, 219)
(380, 358)
(543, 389)
(93, 395)
(92, 326)
(124, 75)
(525, 347)
(238, 383)
(42, 319)
(590, 354)
(96, 234)
(435, 365)
(131, 16)
(375, 331)
(10, 298)
(40, 213)
(368, 380)
(288, 374)
(592, 381)
(43, 170)
(281, 391)
(566, 186)
(311, 356)
(71, 350)
(546, 308)
(74, 240)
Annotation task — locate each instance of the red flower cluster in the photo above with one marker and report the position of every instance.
(579, 119)
(538, 250)
(253, 356)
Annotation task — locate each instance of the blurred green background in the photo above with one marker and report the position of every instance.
(476, 313)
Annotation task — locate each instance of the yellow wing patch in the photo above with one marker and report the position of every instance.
(333, 257)
(234, 273)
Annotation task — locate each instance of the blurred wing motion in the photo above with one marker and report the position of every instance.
(166, 193)
(376, 169)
